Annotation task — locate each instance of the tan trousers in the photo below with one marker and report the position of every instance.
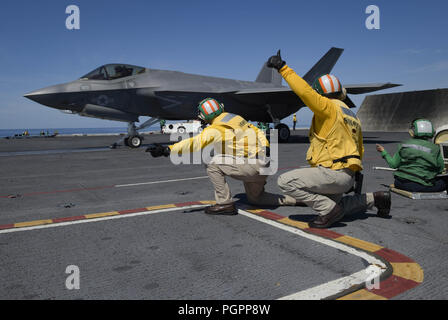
(254, 183)
(321, 189)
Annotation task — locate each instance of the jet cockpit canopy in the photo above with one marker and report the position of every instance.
(113, 71)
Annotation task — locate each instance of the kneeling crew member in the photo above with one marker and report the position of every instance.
(231, 135)
(335, 152)
(418, 161)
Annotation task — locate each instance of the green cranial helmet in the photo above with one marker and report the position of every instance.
(421, 128)
(209, 109)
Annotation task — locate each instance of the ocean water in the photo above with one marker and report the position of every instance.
(67, 131)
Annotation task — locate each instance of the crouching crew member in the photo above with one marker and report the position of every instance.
(418, 161)
(241, 155)
(335, 152)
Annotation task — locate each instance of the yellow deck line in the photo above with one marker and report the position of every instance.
(408, 270)
(362, 294)
(99, 215)
(255, 210)
(298, 224)
(32, 223)
(162, 206)
(208, 202)
(368, 246)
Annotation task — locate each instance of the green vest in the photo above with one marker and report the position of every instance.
(418, 161)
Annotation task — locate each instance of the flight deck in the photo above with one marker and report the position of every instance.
(134, 227)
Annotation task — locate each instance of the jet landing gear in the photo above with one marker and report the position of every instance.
(133, 139)
(283, 130)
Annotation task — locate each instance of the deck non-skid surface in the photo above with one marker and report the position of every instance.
(180, 255)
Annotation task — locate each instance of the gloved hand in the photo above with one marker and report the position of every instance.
(276, 62)
(157, 150)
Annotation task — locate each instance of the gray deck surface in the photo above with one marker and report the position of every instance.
(178, 255)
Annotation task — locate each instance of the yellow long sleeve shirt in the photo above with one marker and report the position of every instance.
(230, 134)
(335, 131)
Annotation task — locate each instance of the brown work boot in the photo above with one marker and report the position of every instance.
(327, 220)
(382, 201)
(222, 209)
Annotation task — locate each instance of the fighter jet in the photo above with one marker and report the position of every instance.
(123, 92)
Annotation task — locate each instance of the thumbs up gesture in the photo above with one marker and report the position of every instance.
(276, 61)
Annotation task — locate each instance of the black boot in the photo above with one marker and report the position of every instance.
(382, 200)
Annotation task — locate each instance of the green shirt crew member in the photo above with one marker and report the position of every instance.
(162, 124)
(418, 161)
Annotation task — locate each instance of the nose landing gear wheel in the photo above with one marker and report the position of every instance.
(133, 141)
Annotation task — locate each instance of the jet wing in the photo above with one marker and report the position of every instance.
(368, 87)
(277, 95)
(282, 95)
(351, 89)
(285, 95)
(262, 90)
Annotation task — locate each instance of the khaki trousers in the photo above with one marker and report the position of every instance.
(249, 173)
(321, 189)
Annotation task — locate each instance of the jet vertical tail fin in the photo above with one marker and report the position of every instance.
(324, 65)
(269, 75)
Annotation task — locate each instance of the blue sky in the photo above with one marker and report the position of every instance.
(230, 39)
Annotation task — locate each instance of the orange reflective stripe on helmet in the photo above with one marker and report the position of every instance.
(322, 85)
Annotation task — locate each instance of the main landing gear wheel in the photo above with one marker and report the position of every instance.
(181, 130)
(133, 141)
(283, 132)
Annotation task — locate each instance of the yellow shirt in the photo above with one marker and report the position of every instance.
(335, 131)
(230, 134)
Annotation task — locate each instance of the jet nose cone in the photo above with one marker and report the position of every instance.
(49, 96)
(38, 97)
(43, 91)
(33, 95)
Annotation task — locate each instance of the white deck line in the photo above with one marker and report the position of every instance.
(156, 182)
(319, 292)
(87, 220)
(333, 287)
